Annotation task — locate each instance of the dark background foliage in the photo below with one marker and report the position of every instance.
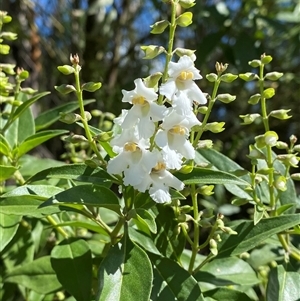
(108, 34)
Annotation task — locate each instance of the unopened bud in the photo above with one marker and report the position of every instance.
(212, 77)
(266, 59)
(88, 115)
(205, 144)
(213, 246)
(226, 98)
(159, 27)
(203, 110)
(185, 19)
(69, 118)
(215, 127)
(206, 190)
(280, 183)
(220, 67)
(255, 63)
(293, 139)
(296, 148)
(249, 118)
(281, 145)
(229, 231)
(152, 51)
(254, 99)
(152, 80)
(248, 76)
(295, 176)
(183, 51)
(271, 138)
(280, 114)
(273, 75)
(187, 3)
(74, 59)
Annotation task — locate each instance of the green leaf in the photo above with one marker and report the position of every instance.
(249, 235)
(45, 191)
(6, 172)
(143, 240)
(37, 275)
(8, 227)
(79, 172)
(90, 195)
(26, 104)
(221, 162)
(4, 147)
(45, 119)
(25, 205)
(125, 274)
(227, 271)
(209, 176)
(169, 241)
(283, 285)
(145, 217)
(72, 262)
(223, 293)
(172, 282)
(37, 139)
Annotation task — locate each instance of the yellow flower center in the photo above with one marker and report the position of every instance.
(159, 166)
(139, 100)
(185, 75)
(131, 147)
(177, 129)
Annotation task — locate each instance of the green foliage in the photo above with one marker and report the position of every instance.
(74, 230)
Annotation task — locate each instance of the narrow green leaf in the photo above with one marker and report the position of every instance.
(250, 235)
(79, 172)
(223, 293)
(90, 195)
(7, 172)
(37, 275)
(172, 282)
(4, 147)
(45, 191)
(209, 176)
(25, 205)
(125, 274)
(45, 119)
(72, 262)
(283, 285)
(37, 139)
(8, 227)
(26, 104)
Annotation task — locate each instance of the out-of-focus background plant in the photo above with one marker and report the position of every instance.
(108, 34)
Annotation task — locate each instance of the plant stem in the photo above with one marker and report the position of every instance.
(92, 142)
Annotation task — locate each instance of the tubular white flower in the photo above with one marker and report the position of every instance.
(174, 133)
(181, 79)
(158, 182)
(144, 112)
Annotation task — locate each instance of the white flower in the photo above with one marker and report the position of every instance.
(134, 158)
(158, 183)
(144, 112)
(181, 78)
(174, 133)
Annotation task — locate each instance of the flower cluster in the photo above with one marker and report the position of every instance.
(154, 137)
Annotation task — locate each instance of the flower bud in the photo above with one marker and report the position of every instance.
(273, 75)
(289, 160)
(28, 90)
(228, 77)
(205, 144)
(96, 113)
(104, 137)
(203, 110)
(293, 139)
(260, 141)
(245, 255)
(22, 74)
(213, 247)
(296, 148)
(91, 86)
(271, 138)
(239, 202)
(187, 3)
(249, 118)
(185, 19)
(152, 51)
(254, 63)
(266, 59)
(186, 208)
(69, 118)
(185, 169)
(182, 51)
(212, 77)
(66, 69)
(93, 163)
(254, 99)
(226, 98)
(268, 93)
(215, 127)
(206, 190)
(65, 89)
(152, 80)
(159, 27)
(88, 115)
(281, 145)
(280, 114)
(280, 183)
(74, 59)
(248, 76)
(220, 67)
(75, 139)
(229, 231)
(295, 176)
